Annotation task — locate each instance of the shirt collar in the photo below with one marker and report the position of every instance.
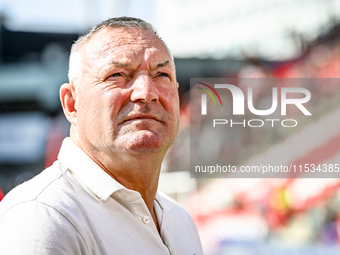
(164, 201)
(92, 176)
(95, 179)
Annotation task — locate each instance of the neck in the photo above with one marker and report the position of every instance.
(139, 173)
(135, 172)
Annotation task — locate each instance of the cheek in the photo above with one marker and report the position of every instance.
(170, 101)
(89, 110)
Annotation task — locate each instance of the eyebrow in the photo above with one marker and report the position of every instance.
(165, 63)
(124, 65)
(119, 64)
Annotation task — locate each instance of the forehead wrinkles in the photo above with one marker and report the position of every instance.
(123, 45)
(124, 39)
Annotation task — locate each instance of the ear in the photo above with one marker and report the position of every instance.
(68, 100)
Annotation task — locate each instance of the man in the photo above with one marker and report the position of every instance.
(100, 196)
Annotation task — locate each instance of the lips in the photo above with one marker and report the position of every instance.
(141, 117)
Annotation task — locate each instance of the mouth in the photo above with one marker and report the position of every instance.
(141, 118)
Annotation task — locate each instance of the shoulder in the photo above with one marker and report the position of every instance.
(52, 188)
(27, 228)
(31, 189)
(34, 216)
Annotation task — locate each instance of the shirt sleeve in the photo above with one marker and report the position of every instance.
(34, 228)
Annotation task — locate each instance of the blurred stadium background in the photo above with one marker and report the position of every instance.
(210, 39)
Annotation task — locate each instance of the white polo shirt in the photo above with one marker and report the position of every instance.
(74, 207)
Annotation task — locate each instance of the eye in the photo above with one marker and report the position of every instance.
(163, 75)
(116, 75)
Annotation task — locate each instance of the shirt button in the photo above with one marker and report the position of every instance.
(146, 220)
(129, 197)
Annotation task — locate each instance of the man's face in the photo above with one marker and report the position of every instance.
(127, 101)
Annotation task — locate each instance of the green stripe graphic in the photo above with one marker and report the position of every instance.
(209, 94)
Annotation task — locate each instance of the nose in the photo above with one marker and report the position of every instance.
(143, 90)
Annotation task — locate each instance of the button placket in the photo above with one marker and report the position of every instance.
(139, 210)
(136, 206)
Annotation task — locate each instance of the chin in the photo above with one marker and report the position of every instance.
(145, 143)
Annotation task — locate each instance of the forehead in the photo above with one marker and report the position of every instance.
(125, 44)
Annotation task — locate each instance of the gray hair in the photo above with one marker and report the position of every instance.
(76, 60)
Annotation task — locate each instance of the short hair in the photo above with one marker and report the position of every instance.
(76, 60)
